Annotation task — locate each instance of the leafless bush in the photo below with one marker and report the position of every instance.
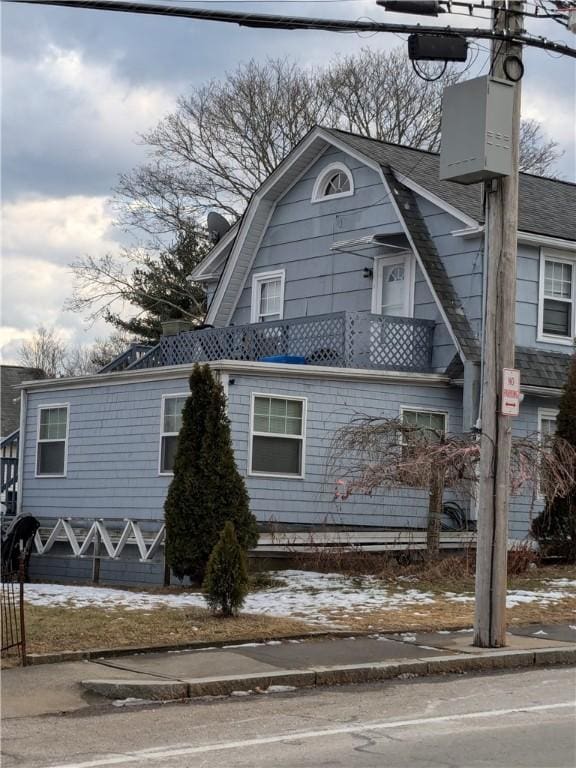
(521, 557)
(371, 453)
(349, 561)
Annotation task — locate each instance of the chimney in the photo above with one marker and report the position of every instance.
(174, 327)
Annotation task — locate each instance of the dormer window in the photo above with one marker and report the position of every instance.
(334, 181)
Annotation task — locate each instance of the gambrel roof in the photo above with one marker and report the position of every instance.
(546, 209)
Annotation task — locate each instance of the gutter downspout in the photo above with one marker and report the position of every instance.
(23, 414)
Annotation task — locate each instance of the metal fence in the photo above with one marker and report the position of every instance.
(127, 359)
(340, 339)
(9, 472)
(12, 621)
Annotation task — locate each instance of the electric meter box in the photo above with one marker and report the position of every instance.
(476, 140)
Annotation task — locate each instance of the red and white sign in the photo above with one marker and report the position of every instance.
(510, 396)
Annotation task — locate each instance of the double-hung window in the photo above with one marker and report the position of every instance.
(267, 296)
(277, 436)
(393, 286)
(547, 418)
(547, 423)
(431, 423)
(171, 421)
(52, 443)
(557, 321)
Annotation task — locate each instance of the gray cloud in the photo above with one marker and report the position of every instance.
(78, 88)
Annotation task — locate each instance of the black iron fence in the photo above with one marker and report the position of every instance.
(12, 620)
(9, 472)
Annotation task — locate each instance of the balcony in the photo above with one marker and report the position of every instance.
(341, 339)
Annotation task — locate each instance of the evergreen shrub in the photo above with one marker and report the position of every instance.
(555, 528)
(207, 490)
(226, 581)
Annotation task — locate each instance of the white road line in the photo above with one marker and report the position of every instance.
(159, 753)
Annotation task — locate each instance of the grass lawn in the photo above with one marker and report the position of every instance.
(439, 596)
(57, 628)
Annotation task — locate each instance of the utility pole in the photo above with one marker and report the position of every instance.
(501, 200)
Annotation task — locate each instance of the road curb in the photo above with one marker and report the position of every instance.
(164, 690)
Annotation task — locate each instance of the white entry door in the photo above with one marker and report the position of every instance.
(393, 286)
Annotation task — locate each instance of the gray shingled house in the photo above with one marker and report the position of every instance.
(352, 284)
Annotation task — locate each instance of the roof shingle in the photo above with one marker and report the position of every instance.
(546, 206)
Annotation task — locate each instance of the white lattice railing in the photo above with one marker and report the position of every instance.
(109, 539)
(340, 339)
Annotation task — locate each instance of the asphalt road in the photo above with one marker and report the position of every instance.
(509, 719)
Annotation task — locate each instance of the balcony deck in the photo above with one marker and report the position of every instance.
(340, 339)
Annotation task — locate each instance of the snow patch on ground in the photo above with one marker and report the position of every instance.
(321, 598)
(305, 594)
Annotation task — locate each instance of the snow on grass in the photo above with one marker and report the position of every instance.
(320, 598)
(300, 593)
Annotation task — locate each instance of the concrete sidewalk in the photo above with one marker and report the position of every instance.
(275, 665)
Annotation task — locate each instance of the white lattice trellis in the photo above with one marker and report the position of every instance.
(341, 339)
(114, 540)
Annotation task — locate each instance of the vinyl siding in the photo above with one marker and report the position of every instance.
(331, 405)
(113, 448)
(319, 281)
(524, 507)
(528, 286)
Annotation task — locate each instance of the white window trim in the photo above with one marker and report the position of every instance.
(302, 437)
(544, 413)
(47, 407)
(559, 256)
(169, 396)
(261, 277)
(423, 409)
(407, 258)
(322, 179)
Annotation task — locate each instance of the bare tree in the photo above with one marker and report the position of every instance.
(45, 350)
(537, 153)
(226, 137)
(222, 142)
(153, 285)
(378, 94)
(371, 453)
(103, 351)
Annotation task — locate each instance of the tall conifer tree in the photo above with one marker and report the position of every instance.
(207, 490)
(555, 527)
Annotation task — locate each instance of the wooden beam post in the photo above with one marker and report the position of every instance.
(497, 354)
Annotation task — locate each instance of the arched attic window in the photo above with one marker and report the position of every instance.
(334, 181)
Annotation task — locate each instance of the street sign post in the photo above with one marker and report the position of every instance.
(510, 395)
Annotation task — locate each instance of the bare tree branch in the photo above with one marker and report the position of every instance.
(226, 137)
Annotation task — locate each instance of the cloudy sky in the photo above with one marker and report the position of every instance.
(79, 86)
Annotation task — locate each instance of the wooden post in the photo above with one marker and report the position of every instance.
(96, 558)
(167, 573)
(435, 512)
(498, 353)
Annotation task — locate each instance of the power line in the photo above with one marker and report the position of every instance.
(271, 21)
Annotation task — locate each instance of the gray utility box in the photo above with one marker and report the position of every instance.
(477, 130)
